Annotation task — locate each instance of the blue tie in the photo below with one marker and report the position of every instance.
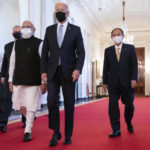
(60, 35)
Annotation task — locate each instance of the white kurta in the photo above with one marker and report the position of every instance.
(24, 96)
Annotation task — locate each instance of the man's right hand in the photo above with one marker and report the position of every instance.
(11, 86)
(3, 81)
(43, 88)
(105, 87)
(44, 77)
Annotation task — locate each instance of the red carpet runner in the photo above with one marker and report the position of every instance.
(91, 130)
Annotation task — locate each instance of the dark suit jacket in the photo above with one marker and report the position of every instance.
(71, 52)
(5, 64)
(123, 71)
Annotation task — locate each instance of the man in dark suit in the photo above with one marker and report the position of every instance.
(61, 64)
(119, 77)
(6, 103)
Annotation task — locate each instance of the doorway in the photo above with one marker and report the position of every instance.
(140, 88)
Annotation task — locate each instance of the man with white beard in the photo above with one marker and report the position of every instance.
(25, 77)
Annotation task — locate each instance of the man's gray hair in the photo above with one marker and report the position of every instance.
(16, 26)
(63, 4)
(30, 23)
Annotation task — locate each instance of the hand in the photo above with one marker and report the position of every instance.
(75, 75)
(44, 77)
(44, 88)
(105, 87)
(3, 81)
(11, 87)
(133, 84)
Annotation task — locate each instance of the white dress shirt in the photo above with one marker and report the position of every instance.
(65, 24)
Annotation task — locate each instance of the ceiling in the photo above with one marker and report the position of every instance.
(108, 15)
(137, 13)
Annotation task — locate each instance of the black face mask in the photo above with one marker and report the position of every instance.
(17, 35)
(61, 16)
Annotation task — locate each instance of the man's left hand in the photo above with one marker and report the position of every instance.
(133, 84)
(3, 81)
(75, 75)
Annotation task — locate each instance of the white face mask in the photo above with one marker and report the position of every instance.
(117, 39)
(27, 33)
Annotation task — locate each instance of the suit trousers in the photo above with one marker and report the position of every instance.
(5, 103)
(68, 88)
(127, 98)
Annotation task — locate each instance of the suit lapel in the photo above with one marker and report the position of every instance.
(55, 35)
(114, 54)
(122, 52)
(67, 34)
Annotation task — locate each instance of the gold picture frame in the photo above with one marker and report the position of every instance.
(97, 69)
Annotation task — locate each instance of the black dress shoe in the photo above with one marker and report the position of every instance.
(55, 138)
(3, 127)
(115, 134)
(130, 128)
(27, 137)
(67, 141)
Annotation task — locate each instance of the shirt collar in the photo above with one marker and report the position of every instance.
(64, 24)
(120, 46)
